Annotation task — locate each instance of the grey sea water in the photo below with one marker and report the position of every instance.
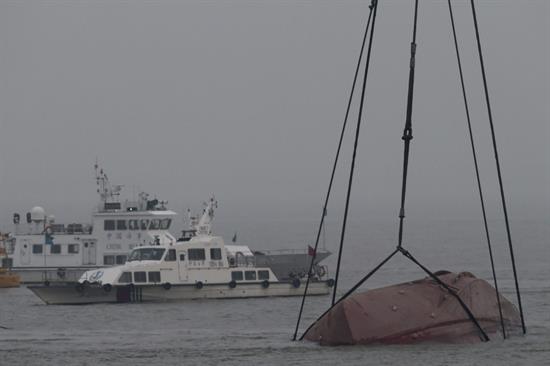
(258, 331)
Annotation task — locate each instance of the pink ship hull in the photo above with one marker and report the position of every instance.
(414, 312)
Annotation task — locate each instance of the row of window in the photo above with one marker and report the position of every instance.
(140, 277)
(250, 275)
(200, 254)
(137, 224)
(156, 254)
(114, 259)
(154, 276)
(56, 248)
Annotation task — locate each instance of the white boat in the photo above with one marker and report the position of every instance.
(42, 250)
(197, 268)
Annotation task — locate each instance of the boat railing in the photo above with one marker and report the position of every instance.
(60, 275)
(56, 229)
(281, 251)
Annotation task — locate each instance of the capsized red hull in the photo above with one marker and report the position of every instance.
(414, 312)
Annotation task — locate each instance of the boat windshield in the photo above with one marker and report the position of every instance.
(146, 254)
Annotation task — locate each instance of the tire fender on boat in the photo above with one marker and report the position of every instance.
(198, 285)
(107, 287)
(330, 282)
(232, 284)
(265, 283)
(167, 286)
(296, 282)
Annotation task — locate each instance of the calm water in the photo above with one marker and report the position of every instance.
(258, 331)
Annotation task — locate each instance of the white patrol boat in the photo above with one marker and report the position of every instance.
(41, 250)
(200, 267)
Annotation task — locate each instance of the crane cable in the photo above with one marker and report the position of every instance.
(322, 221)
(352, 168)
(482, 200)
(493, 137)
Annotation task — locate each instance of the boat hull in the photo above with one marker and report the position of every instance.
(73, 294)
(415, 312)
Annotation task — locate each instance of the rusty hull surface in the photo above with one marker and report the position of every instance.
(414, 312)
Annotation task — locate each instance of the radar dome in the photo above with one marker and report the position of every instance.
(38, 214)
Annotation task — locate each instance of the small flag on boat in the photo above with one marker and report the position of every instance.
(234, 240)
(310, 250)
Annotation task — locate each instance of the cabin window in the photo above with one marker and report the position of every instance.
(250, 275)
(237, 275)
(133, 224)
(182, 257)
(140, 277)
(154, 277)
(120, 259)
(215, 254)
(72, 248)
(109, 225)
(121, 224)
(196, 254)
(55, 249)
(155, 224)
(144, 224)
(165, 224)
(171, 255)
(108, 260)
(37, 249)
(146, 254)
(263, 275)
(125, 277)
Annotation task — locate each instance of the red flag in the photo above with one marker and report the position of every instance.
(310, 251)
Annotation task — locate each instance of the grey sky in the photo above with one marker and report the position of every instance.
(245, 99)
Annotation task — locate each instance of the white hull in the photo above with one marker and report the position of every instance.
(36, 275)
(68, 294)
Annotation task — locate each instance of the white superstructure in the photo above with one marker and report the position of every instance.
(201, 267)
(40, 249)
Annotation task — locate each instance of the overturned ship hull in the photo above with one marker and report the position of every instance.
(414, 312)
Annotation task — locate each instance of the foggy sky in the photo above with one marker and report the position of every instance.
(245, 99)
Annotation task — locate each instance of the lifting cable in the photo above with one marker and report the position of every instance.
(482, 200)
(509, 236)
(407, 136)
(374, 4)
(407, 133)
(313, 257)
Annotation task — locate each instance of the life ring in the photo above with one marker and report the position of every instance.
(198, 285)
(330, 282)
(107, 287)
(296, 283)
(232, 284)
(265, 283)
(167, 286)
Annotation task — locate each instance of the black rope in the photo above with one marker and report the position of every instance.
(476, 169)
(503, 199)
(483, 335)
(407, 133)
(374, 4)
(350, 291)
(332, 175)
